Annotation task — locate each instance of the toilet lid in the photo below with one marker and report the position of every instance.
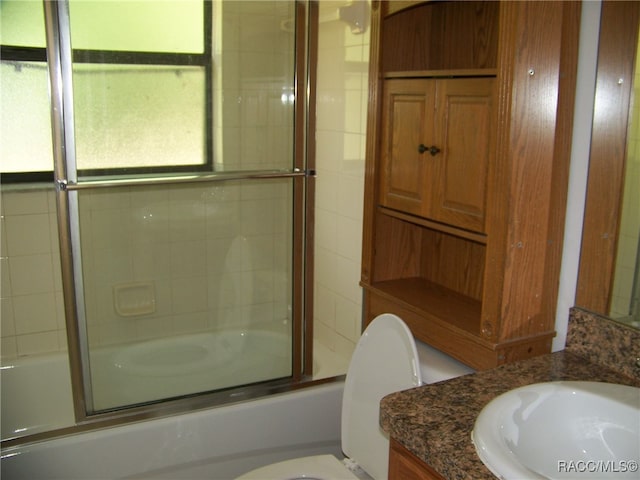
(385, 361)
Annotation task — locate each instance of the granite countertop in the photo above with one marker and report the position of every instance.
(434, 422)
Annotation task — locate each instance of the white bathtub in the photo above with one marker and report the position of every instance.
(35, 395)
(36, 391)
(218, 443)
(221, 442)
(185, 364)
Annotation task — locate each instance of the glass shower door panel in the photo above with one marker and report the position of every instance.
(187, 288)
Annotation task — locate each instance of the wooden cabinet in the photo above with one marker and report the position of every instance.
(465, 244)
(435, 133)
(403, 465)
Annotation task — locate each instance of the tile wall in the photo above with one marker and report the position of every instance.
(32, 316)
(342, 91)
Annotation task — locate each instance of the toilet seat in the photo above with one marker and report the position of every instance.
(317, 467)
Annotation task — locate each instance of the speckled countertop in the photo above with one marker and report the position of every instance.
(434, 422)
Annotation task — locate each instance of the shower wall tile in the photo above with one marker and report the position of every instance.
(27, 234)
(7, 324)
(25, 202)
(37, 343)
(9, 348)
(342, 95)
(35, 313)
(31, 274)
(5, 275)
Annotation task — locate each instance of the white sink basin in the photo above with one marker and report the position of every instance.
(561, 430)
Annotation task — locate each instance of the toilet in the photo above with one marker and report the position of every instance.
(385, 360)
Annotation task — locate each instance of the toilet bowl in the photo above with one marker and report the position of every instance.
(385, 360)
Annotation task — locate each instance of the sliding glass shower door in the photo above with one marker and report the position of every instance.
(181, 185)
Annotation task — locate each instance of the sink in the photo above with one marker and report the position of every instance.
(561, 430)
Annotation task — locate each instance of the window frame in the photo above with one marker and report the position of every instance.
(14, 53)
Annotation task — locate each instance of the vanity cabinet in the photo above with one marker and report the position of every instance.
(403, 465)
(435, 132)
(468, 146)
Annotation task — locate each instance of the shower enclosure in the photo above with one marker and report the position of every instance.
(179, 139)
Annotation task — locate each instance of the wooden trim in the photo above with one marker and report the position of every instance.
(372, 145)
(605, 184)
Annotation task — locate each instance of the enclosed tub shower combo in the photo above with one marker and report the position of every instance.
(181, 186)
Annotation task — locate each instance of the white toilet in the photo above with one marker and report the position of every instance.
(384, 361)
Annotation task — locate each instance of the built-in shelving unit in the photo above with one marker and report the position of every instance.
(466, 174)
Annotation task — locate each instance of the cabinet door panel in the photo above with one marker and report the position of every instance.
(408, 116)
(463, 130)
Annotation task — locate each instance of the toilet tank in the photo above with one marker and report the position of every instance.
(436, 366)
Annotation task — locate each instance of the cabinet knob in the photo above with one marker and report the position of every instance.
(433, 150)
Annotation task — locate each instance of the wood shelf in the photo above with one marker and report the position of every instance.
(480, 238)
(434, 301)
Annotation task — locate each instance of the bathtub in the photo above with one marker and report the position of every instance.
(217, 443)
(35, 395)
(220, 442)
(185, 364)
(141, 371)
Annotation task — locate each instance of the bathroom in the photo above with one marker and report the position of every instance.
(340, 134)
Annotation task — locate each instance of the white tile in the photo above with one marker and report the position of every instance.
(31, 274)
(110, 229)
(326, 230)
(111, 266)
(28, 234)
(190, 322)
(7, 325)
(330, 110)
(189, 294)
(326, 273)
(349, 241)
(60, 312)
(257, 217)
(25, 203)
(188, 259)
(3, 237)
(5, 278)
(151, 260)
(324, 306)
(329, 151)
(8, 349)
(348, 319)
(37, 343)
(347, 278)
(344, 347)
(352, 111)
(350, 194)
(326, 186)
(154, 326)
(35, 313)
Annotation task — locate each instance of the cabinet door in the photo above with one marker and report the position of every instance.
(407, 121)
(463, 135)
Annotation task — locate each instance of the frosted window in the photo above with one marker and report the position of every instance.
(25, 118)
(142, 26)
(22, 23)
(139, 116)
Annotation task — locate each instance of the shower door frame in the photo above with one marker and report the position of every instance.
(68, 186)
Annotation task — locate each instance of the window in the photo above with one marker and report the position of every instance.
(142, 97)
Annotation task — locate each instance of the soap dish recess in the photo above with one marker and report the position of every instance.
(134, 299)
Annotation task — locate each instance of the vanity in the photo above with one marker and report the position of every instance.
(430, 427)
